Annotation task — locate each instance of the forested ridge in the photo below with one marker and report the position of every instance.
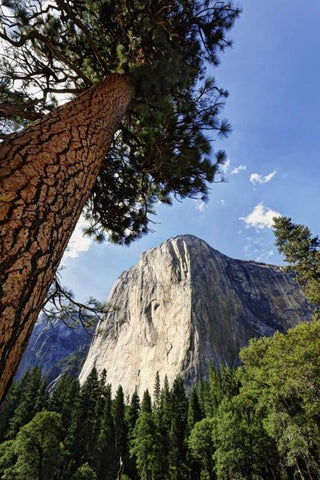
(260, 421)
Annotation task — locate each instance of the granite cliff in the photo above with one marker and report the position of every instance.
(55, 348)
(184, 305)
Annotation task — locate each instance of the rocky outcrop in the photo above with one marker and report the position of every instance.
(184, 305)
(55, 348)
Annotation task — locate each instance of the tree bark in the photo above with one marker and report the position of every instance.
(47, 172)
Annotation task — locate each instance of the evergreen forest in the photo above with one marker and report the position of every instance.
(258, 422)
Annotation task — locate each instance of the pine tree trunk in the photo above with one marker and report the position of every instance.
(46, 174)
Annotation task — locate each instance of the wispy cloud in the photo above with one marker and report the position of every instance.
(265, 256)
(256, 178)
(260, 217)
(224, 168)
(201, 206)
(78, 243)
(239, 169)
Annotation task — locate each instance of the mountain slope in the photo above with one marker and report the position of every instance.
(184, 305)
(50, 346)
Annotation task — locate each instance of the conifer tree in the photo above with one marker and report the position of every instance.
(136, 67)
(33, 399)
(204, 397)
(120, 428)
(157, 393)
(302, 251)
(195, 412)
(146, 402)
(11, 403)
(161, 416)
(201, 447)
(143, 445)
(178, 430)
(82, 436)
(216, 393)
(64, 398)
(106, 466)
(166, 405)
(133, 412)
(132, 416)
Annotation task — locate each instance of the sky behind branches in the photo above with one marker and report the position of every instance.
(273, 77)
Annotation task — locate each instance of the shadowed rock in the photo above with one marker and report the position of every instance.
(184, 305)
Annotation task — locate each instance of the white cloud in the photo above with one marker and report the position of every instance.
(265, 256)
(78, 243)
(260, 217)
(256, 178)
(201, 206)
(239, 169)
(224, 168)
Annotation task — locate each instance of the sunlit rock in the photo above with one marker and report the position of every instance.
(184, 305)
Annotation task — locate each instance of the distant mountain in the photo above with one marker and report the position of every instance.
(55, 348)
(184, 305)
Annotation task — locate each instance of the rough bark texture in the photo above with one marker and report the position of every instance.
(46, 174)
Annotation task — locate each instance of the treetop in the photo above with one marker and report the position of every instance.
(164, 144)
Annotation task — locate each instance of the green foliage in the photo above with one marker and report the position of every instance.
(260, 422)
(133, 412)
(33, 398)
(243, 449)
(195, 412)
(144, 445)
(282, 376)
(84, 472)
(302, 251)
(157, 393)
(8, 458)
(82, 435)
(146, 403)
(64, 398)
(11, 403)
(163, 147)
(178, 429)
(120, 426)
(201, 445)
(222, 383)
(106, 462)
(36, 450)
(60, 304)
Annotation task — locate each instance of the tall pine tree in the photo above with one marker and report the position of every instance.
(178, 431)
(136, 67)
(106, 465)
(82, 436)
(120, 428)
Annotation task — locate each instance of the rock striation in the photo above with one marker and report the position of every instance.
(184, 305)
(55, 348)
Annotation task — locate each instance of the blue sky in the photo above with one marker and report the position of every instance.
(273, 77)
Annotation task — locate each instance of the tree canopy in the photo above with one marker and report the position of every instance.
(163, 145)
(302, 251)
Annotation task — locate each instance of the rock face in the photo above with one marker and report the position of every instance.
(55, 348)
(184, 305)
